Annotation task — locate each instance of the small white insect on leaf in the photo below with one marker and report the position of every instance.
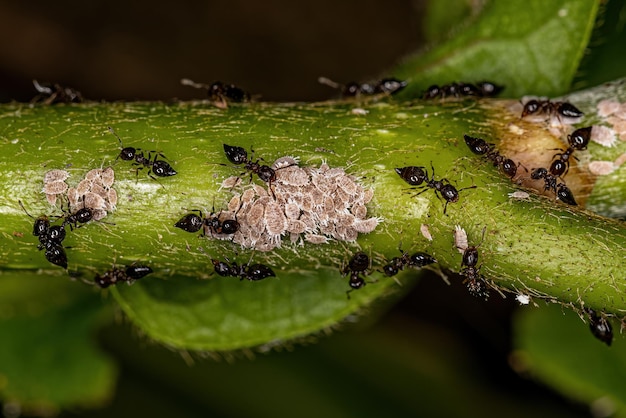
(460, 239)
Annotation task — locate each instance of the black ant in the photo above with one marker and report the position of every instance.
(600, 327)
(475, 282)
(220, 93)
(387, 86)
(417, 260)
(480, 147)
(50, 238)
(562, 192)
(81, 216)
(55, 93)
(159, 168)
(252, 272)
(193, 223)
(546, 107)
(578, 140)
(359, 264)
(122, 274)
(418, 175)
(238, 156)
(481, 89)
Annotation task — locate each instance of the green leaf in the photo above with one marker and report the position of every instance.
(529, 46)
(604, 59)
(442, 16)
(553, 345)
(48, 359)
(224, 313)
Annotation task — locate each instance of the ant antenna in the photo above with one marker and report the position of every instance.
(191, 83)
(116, 135)
(24, 209)
(328, 82)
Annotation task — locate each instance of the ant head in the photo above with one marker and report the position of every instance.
(432, 92)
(359, 262)
(390, 269)
(531, 107)
(41, 225)
(580, 138)
(351, 89)
(266, 173)
(127, 153)
(222, 268)
(538, 173)
(230, 226)
(356, 282)
(509, 167)
(449, 193)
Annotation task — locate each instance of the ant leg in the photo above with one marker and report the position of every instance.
(424, 189)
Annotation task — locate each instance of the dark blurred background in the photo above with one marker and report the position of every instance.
(116, 49)
(451, 350)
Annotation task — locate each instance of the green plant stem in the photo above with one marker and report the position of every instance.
(535, 246)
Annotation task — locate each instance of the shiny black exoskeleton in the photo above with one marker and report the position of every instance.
(238, 155)
(418, 175)
(55, 234)
(475, 282)
(252, 272)
(358, 264)
(193, 223)
(600, 327)
(417, 260)
(386, 86)
(564, 194)
(561, 191)
(41, 225)
(159, 168)
(480, 147)
(413, 175)
(55, 253)
(578, 140)
(548, 108)
(81, 216)
(481, 89)
(190, 222)
(126, 274)
(50, 239)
